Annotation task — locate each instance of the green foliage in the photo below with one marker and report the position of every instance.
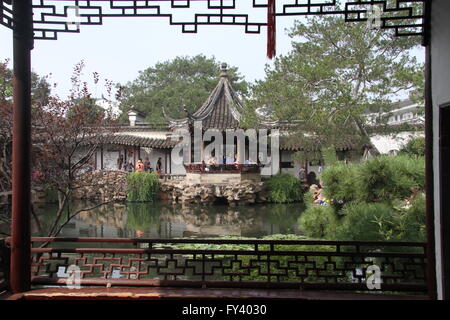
(365, 221)
(383, 222)
(318, 222)
(87, 108)
(171, 84)
(142, 186)
(308, 199)
(334, 73)
(414, 147)
(284, 188)
(386, 178)
(329, 155)
(340, 180)
(413, 223)
(379, 199)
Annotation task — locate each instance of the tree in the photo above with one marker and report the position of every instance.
(414, 146)
(65, 135)
(171, 84)
(40, 91)
(335, 72)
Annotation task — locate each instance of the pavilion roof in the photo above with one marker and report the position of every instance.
(222, 110)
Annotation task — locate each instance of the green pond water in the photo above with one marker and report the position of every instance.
(157, 220)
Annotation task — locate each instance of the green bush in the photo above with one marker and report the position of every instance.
(318, 222)
(414, 220)
(340, 181)
(412, 168)
(308, 199)
(142, 186)
(379, 199)
(283, 188)
(414, 147)
(386, 178)
(366, 222)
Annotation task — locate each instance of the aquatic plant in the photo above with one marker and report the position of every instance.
(142, 186)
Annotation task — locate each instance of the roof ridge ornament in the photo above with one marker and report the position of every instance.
(224, 69)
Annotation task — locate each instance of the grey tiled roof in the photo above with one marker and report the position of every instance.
(132, 140)
(222, 110)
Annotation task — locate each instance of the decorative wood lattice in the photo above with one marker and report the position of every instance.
(231, 263)
(52, 17)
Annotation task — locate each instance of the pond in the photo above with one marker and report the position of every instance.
(158, 220)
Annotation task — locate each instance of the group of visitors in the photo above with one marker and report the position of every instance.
(140, 166)
(226, 163)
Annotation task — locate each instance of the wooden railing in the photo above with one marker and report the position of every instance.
(318, 265)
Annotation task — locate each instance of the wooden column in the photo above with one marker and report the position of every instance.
(21, 157)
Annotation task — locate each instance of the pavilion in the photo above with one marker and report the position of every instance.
(220, 113)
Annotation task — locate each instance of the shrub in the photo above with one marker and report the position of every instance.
(142, 186)
(411, 167)
(414, 147)
(284, 188)
(308, 199)
(383, 179)
(318, 222)
(414, 220)
(366, 222)
(340, 181)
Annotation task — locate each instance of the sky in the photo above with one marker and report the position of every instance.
(122, 47)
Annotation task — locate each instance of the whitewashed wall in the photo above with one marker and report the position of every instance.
(388, 144)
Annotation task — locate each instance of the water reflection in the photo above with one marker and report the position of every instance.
(174, 221)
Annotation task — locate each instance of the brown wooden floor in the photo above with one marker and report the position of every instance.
(125, 293)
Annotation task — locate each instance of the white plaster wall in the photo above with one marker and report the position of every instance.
(110, 159)
(386, 143)
(440, 81)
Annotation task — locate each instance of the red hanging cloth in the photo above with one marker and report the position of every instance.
(271, 29)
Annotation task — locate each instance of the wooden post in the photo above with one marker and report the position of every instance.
(21, 160)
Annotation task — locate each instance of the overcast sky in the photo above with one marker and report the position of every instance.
(121, 47)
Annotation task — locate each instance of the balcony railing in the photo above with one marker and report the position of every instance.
(222, 168)
(317, 265)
